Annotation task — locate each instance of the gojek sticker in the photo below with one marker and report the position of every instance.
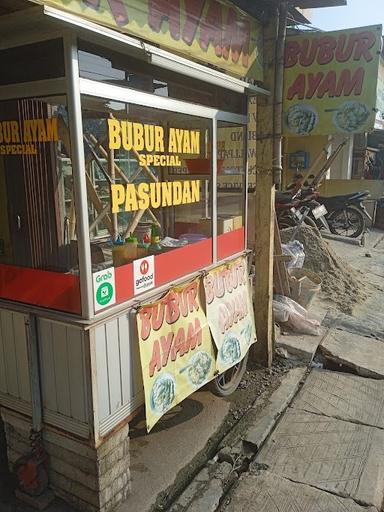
(143, 274)
(104, 288)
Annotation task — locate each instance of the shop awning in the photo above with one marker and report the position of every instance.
(45, 19)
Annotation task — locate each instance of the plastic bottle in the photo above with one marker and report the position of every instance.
(155, 247)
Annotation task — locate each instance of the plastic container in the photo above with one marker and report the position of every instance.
(309, 285)
(155, 247)
(203, 165)
(130, 249)
(143, 229)
(118, 254)
(192, 238)
(142, 250)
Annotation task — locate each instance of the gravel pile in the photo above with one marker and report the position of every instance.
(341, 284)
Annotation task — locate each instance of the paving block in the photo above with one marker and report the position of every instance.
(363, 355)
(300, 346)
(264, 421)
(343, 458)
(343, 396)
(270, 493)
(369, 329)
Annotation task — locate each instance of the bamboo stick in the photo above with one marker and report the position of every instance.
(121, 174)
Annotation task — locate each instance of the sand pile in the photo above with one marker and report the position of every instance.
(341, 284)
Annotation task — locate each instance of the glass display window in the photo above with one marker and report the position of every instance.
(231, 206)
(149, 183)
(38, 248)
(110, 66)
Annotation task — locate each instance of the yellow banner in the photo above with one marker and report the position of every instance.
(212, 31)
(176, 350)
(230, 312)
(330, 81)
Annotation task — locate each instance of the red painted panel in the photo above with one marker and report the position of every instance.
(168, 266)
(180, 262)
(52, 290)
(230, 243)
(124, 282)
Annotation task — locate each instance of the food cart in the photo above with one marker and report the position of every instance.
(115, 218)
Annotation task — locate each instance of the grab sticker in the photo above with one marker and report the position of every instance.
(104, 288)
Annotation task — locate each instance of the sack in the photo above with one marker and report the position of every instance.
(295, 250)
(294, 317)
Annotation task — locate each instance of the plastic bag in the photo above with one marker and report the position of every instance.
(295, 250)
(294, 317)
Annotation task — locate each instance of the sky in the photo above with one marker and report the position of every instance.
(358, 13)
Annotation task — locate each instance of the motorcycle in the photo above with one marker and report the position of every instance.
(294, 211)
(346, 214)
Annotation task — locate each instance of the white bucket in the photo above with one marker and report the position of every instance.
(310, 285)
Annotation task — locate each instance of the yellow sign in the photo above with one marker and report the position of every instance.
(176, 350)
(212, 31)
(330, 81)
(150, 137)
(20, 137)
(154, 195)
(230, 312)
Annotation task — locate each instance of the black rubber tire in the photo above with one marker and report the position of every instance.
(349, 211)
(286, 222)
(221, 387)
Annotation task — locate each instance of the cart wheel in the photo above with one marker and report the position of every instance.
(227, 383)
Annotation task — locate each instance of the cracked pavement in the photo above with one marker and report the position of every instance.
(326, 453)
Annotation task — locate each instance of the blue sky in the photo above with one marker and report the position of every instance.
(358, 13)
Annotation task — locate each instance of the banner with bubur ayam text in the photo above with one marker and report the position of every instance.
(176, 349)
(230, 312)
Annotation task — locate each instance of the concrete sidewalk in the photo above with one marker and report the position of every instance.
(326, 453)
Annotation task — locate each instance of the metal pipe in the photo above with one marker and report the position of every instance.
(278, 93)
(78, 170)
(214, 189)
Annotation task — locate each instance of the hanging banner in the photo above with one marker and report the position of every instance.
(176, 349)
(213, 31)
(230, 312)
(330, 81)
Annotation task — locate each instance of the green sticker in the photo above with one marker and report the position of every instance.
(104, 294)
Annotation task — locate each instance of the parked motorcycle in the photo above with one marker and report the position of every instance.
(293, 211)
(346, 214)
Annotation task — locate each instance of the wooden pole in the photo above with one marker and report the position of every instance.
(264, 206)
(92, 194)
(118, 171)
